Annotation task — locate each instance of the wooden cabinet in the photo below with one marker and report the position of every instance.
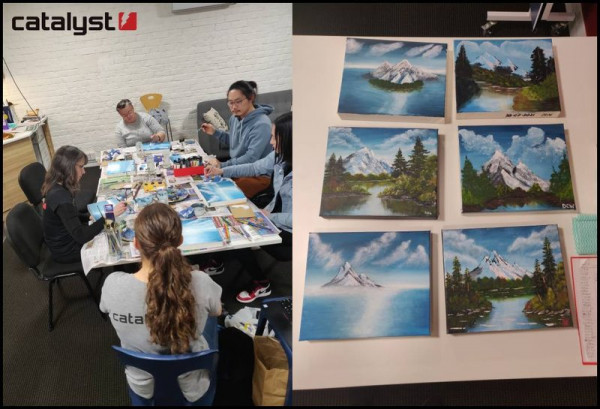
(15, 156)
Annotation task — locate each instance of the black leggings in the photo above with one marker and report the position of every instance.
(280, 252)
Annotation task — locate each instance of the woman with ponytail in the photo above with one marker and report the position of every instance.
(162, 308)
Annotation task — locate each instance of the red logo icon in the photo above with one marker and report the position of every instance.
(128, 21)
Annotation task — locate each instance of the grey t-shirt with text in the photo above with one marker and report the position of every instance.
(124, 300)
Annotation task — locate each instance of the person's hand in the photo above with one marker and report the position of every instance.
(120, 208)
(157, 137)
(207, 128)
(213, 171)
(213, 162)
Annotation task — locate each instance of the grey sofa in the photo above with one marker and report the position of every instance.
(281, 101)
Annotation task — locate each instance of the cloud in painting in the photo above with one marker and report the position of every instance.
(371, 250)
(383, 48)
(535, 240)
(523, 49)
(534, 147)
(343, 138)
(406, 140)
(472, 142)
(415, 51)
(465, 260)
(457, 241)
(419, 257)
(324, 253)
(433, 52)
(353, 46)
(400, 253)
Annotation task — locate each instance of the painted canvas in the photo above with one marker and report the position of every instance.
(380, 172)
(505, 78)
(220, 192)
(504, 279)
(515, 168)
(361, 285)
(393, 78)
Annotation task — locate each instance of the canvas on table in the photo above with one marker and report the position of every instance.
(505, 79)
(361, 285)
(390, 77)
(380, 172)
(504, 279)
(219, 192)
(515, 168)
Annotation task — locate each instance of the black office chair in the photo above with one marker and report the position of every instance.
(31, 179)
(25, 235)
(166, 368)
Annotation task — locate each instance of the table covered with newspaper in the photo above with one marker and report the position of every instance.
(214, 212)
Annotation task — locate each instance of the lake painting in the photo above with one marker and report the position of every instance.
(510, 78)
(363, 285)
(380, 172)
(393, 78)
(504, 279)
(515, 168)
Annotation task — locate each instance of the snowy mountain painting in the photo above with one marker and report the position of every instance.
(363, 285)
(504, 279)
(383, 77)
(505, 78)
(515, 168)
(380, 172)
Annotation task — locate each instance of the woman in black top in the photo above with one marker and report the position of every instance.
(64, 232)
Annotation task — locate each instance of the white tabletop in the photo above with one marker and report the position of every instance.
(317, 65)
(90, 251)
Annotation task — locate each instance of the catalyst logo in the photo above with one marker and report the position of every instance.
(128, 21)
(78, 25)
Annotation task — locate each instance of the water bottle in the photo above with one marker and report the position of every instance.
(150, 163)
(140, 149)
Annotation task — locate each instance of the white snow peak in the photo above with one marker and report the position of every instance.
(347, 277)
(402, 73)
(365, 162)
(503, 171)
(498, 267)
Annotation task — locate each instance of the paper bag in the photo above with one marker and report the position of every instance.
(269, 381)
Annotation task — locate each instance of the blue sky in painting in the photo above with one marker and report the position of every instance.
(540, 147)
(384, 142)
(388, 258)
(518, 51)
(521, 245)
(365, 53)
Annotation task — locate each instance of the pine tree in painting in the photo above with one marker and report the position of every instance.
(539, 70)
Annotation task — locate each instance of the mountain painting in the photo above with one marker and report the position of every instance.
(393, 78)
(504, 279)
(515, 168)
(380, 172)
(505, 78)
(362, 285)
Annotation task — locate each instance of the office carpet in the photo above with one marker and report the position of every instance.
(74, 364)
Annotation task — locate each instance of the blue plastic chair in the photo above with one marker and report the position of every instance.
(166, 368)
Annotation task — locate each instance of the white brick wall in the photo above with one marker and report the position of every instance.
(188, 57)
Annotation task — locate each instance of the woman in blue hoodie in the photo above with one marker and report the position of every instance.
(279, 164)
(249, 133)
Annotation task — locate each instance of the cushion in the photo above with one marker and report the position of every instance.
(216, 120)
(160, 114)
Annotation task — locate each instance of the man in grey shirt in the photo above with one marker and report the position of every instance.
(136, 127)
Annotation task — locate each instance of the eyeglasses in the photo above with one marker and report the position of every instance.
(236, 103)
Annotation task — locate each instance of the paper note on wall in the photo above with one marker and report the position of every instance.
(584, 271)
